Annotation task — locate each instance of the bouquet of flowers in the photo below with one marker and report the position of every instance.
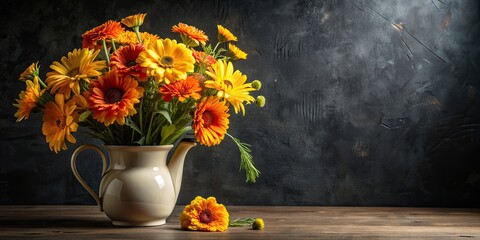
(134, 88)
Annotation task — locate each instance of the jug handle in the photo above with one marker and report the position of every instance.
(77, 174)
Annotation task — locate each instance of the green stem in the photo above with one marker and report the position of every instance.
(215, 48)
(137, 31)
(149, 131)
(113, 45)
(141, 115)
(106, 53)
(42, 83)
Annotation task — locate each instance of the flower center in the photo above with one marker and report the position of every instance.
(113, 95)
(73, 72)
(205, 216)
(131, 63)
(60, 122)
(228, 83)
(207, 119)
(167, 61)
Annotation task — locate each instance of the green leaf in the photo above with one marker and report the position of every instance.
(167, 131)
(84, 116)
(132, 125)
(246, 160)
(176, 135)
(166, 115)
(141, 141)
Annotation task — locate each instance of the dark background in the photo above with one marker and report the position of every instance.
(358, 112)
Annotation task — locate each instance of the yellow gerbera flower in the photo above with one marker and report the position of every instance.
(134, 20)
(59, 122)
(167, 60)
(224, 35)
(230, 84)
(205, 215)
(78, 65)
(30, 73)
(28, 99)
(235, 53)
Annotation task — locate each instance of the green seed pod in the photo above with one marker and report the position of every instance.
(257, 84)
(260, 101)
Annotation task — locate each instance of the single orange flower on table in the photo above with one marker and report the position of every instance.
(205, 215)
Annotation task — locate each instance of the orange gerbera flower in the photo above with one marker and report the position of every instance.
(210, 121)
(190, 35)
(188, 88)
(59, 122)
(30, 72)
(111, 98)
(110, 29)
(124, 61)
(224, 35)
(134, 20)
(205, 215)
(28, 99)
(126, 38)
(203, 58)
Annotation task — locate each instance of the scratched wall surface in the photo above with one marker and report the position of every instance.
(369, 102)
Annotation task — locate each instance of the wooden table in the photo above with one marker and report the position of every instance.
(86, 222)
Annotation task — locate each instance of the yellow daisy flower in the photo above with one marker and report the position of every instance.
(205, 215)
(167, 60)
(235, 53)
(230, 85)
(78, 65)
(59, 122)
(30, 72)
(134, 20)
(224, 35)
(28, 99)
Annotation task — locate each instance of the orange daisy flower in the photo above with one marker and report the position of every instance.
(203, 58)
(126, 38)
(110, 29)
(210, 121)
(28, 99)
(111, 98)
(224, 35)
(205, 215)
(134, 20)
(59, 122)
(30, 73)
(188, 88)
(124, 61)
(190, 35)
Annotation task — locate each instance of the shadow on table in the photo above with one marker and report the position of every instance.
(56, 223)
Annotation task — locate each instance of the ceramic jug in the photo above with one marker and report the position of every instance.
(138, 188)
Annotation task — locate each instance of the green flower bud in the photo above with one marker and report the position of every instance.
(257, 84)
(260, 101)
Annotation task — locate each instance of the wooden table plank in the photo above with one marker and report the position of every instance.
(86, 222)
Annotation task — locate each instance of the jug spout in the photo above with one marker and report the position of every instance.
(175, 166)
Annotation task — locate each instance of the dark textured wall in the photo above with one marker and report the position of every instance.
(359, 112)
